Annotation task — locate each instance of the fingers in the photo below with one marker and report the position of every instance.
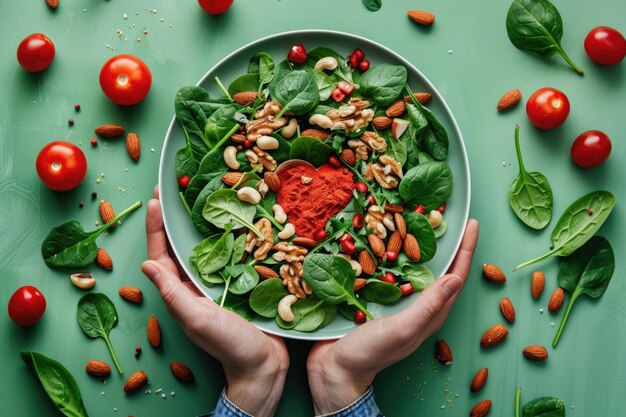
(463, 259)
(157, 240)
(155, 192)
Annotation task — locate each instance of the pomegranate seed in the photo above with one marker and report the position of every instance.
(77, 107)
(184, 181)
(361, 187)
(364, 65)
(93, 142)
(346, 87)
(344, 237)
(371, 199)
(348, 247)
(247, 143)
(360, 317)
(420, 209)
(388, 277)
(297, 54)
(406, 288)
(590, 212)
(138, 349)
(320, 235)
(354, 61)
(391, 256)
(441, 208)
(357, 221)
(338, 95)
(359, 54)
(334, 161)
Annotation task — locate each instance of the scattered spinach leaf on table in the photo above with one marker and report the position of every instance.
(544, 407)
(373, 5)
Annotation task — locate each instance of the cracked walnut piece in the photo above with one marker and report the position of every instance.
(378, 222)
(257, 157)
(288, 252)
(265, 121)
(291, 275)
(265, 245)
(387, 172)
(352, 116)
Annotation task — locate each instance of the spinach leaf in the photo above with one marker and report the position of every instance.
(97, 315)
(418, 225)
(310, 149)
(266, 296)
(417, 274)
(239, 247)
(331, 278)
(244, 83)
(221, 124)
(58, 383)
(429, 184)
(535, 26)
(199, 222)
(373, 5)
(69, 246)
(330, 311)
(544, 407)
(312, 313)
(441, 229)
(395, 148)
(224, 208)
(325, 85)
(193, 106)
(185, 160)
(381, 292)
(237, 304)
(383, 83)
(578, 223)
(348, 310)
(214, 252)
(433, 136)
(243, 278)
(263, 64)
(343, 70)
(530, 195)
(281, 71)
(297, 92)
(284, 149)
(587, 271)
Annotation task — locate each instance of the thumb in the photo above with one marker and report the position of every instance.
(434, 301)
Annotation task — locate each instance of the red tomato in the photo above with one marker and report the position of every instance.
(61, 165)
(26, 306)
(591, 148)
(125, 79)
(215, 6)
(35, 53)
(547, 108)
(605, 45)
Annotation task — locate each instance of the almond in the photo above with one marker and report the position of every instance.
(376, 244)
(400, 224)
(359, 283)
(537, 283)
(508, 311)
(493, 274)
(536, 353)
(98, 368)
(103, 259)
(109, 131)
(479, 380)
(131, 294)
(394, 244)
(135, 381)
(423, 98)
(107, 213)
(481, 409)
(238, 138)
(272, 180)
(396, 109)
(182, 372)
(509, 100)
(412, 248)
(556, 301)
(348, 156)
(494, 336)
(382, 122)
(153, 331)
(305, 242)
(367, 263)
(232, 178)
(315, 133)
(245, 97)
(265, 272)
(444, 354)
(133, 146)
(394, 208)
(421, 17)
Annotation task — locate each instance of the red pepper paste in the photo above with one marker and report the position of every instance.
(310, 206)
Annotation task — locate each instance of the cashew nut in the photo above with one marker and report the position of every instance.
(435, 218)
(279, 213)
(326, 63)
(262, 187)
(321, 120)
(267, 143)
(249, 195)
(289, 231)
(230, 157)
(83, 280)
(284, 307)
(290, 129)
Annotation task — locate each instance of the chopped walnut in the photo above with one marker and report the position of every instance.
(292, 278)
(288, 252)
(265, 245)
(351, 116)
(374, 141)
(393, 165)
(265, 121)
(387, 172)
(378, 221)
(386, 181)
(257, 157)
(368, 174)
(360, 149)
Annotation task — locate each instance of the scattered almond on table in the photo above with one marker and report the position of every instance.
(536, 353)
(98, 368)
(103, 259)
(153, 331)
(494, 336)
(538, 281)
(109, 131)
(133, 146)
(508, 311)
(421, 17)
(493, 274)
(509, 100)
(135, 381)
(556, 300)
(131, 294)
(481, 409)
(182, 372)
(479, 380)
(444, 353)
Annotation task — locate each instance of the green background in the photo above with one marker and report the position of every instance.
(469, 59)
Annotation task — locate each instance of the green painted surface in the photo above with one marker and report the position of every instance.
(469, 59)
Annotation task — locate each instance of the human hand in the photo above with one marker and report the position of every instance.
(340, 371)
(255, 364)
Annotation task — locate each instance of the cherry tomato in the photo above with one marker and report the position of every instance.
(26, 306)
(125, 79)
(359, 317)
(406, 288)
(590, 149)
(215, 6)
(605, 45)
(388, 277)
(61, 165)
(35, 53)
(547, 108)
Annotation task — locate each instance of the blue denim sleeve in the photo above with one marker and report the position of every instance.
(225, 408)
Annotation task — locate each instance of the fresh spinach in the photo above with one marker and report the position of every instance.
(243, 278)
(530, 195)
(297, 92)
(185, 160)
(433, 136)
(536, 26)
(214, 252)
(310, 149)
(377, 291)
(281, 71)
(193, 106)
(244, 83)
(348, 310)
(97, 315)
(419, 226)
(441, 229)
(325, 85)
(69, 246)
(578, 223)
(331, 278)
(199, 222)
(419, 275)
(429, 184)
(239, 248)
(266, 296)
(237, 304)
(395, 148)
(58, 383)
(544, 407)
(373, 5)
(383, 83)
(312, 313)
(586, 271)
(343, 70)
(262, 64)
(220, 125)
(224, 208)
(330, 311)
